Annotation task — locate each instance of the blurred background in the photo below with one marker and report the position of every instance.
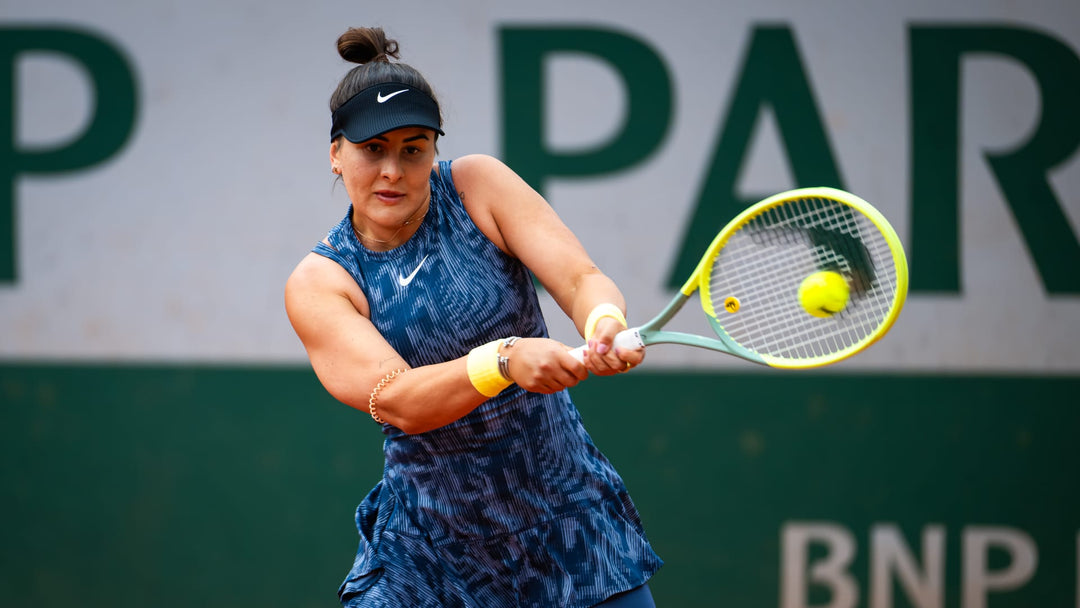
(164, 442)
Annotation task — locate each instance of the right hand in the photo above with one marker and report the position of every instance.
(542, 365)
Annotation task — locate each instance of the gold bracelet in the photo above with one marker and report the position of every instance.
(375, 393)
(601, 311)
(483, 369)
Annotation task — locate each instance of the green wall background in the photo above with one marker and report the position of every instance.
(226, 486)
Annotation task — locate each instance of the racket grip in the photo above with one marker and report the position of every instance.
(627, 338)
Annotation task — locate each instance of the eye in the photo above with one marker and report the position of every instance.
(373, 147)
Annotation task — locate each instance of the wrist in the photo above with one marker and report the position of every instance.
(599, 312)
(504, 357)
(485, 370)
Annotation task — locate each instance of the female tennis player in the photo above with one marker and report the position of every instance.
(418, 308)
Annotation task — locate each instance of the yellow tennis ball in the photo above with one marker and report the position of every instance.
(824, 293)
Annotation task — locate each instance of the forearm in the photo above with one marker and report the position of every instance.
(598, 309)
(592, 290)
(423, 398)
(433, 396)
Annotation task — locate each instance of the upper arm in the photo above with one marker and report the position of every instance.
(521, 223)
(329, 313)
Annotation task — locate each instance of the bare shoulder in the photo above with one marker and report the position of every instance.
(313, 271)
(505, 208)
(472, 163)
(317, 277)
(484, 180)
(482, 172)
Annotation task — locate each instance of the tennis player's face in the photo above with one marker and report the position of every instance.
(387, 176)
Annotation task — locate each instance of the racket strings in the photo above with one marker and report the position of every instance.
(805, 336)
(764, 262)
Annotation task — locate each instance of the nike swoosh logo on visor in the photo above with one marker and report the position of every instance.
(404, 281)
(382, 98)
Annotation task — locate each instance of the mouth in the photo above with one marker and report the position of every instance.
(389, 196)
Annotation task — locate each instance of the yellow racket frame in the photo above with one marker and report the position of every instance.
(699, 279)
(653, 332)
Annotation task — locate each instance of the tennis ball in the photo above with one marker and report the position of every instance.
(824, 293)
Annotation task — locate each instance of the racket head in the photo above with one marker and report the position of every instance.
(749, 278)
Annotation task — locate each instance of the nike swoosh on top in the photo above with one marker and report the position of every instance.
(404, 281)
(382, 98)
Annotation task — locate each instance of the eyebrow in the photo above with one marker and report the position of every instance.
(406, 140)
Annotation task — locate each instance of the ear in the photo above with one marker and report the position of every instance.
(335, 161)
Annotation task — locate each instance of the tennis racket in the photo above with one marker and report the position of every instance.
(801, 279)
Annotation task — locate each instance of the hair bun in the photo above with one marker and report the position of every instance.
(366, 45)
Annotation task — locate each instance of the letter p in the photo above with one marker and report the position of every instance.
(649, 101)
(110, 125)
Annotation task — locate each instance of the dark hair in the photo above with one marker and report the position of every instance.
(370, 47)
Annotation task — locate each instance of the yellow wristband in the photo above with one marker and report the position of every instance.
(601, 311)
(483, 366)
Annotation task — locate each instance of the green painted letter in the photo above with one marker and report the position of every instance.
(773, 76)
(649, 101)
(936, 55)
(109, 128)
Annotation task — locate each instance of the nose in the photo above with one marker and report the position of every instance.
(391, 168)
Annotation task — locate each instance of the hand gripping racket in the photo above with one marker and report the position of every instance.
(758, 289)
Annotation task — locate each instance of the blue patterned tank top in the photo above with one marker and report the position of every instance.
(511, 505)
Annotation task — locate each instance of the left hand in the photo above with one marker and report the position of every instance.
(602, 358)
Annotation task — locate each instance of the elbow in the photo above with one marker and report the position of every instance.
(406, 423)
(410, 425)
(388, 408)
